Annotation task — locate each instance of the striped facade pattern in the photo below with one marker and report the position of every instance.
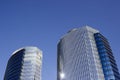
(107, 59)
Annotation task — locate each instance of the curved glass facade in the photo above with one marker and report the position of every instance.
(24, 64)
(107, 59)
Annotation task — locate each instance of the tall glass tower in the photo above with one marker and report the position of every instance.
(24, 64)
(80, 56)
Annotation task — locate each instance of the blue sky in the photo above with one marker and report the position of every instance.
(41, 23)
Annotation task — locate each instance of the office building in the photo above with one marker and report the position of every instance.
(24, 64)
(85, 54)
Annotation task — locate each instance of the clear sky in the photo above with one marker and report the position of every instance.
(41, 23)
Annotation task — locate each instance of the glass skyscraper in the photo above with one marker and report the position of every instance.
(85, 54)
(24, 64)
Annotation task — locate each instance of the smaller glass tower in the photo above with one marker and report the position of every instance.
(24, 64)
